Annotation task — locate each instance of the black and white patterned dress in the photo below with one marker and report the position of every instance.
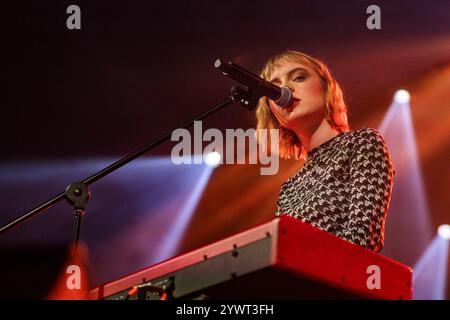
(344, 187)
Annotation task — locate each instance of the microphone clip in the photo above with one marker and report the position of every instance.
(246, 97)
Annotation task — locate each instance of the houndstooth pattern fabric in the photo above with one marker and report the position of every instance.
(344, 187)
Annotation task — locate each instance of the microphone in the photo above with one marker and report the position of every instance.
(281, 95)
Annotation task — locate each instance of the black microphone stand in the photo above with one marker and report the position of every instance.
(78, 193)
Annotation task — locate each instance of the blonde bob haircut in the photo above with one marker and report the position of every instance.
(336, 110)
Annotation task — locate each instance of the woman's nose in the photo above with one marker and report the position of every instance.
(289, 87)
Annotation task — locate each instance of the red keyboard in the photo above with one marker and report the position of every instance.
(280, 259)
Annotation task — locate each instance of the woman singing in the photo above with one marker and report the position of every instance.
(344, 185)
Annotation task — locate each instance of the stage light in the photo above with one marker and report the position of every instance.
(212, 159)
(444, 231)
(430, 271)
(401, 96)
(409, 194)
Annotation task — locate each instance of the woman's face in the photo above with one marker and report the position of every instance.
(308, 108)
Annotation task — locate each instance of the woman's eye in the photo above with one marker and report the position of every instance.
(299, 78)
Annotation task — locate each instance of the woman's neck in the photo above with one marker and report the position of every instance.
(320, 135)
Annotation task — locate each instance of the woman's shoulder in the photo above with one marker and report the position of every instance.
(367, 134)
(368, 140)
(351, 140)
